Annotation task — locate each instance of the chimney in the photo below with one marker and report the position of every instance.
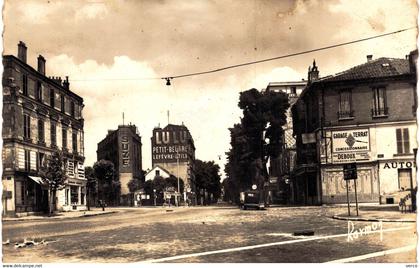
(369, 57)
(66, 83)
(22, 51)
(313, 73)
(41, 64)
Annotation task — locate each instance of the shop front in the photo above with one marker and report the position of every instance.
(398, 178)
(73, 196)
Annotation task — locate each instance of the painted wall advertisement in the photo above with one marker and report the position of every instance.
(170, 146)
(350, 146)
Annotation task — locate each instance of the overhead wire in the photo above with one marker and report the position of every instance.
(169, 78)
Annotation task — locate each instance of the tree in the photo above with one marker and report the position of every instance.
(53, 174)
(257, 138)
(90, 184)
(133, 185)
(207, 179)
(105, 173)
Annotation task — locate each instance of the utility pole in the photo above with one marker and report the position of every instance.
(177, 176)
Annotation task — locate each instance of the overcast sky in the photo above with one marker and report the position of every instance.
(115, 40)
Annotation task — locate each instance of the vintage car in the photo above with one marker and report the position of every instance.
(250, 199)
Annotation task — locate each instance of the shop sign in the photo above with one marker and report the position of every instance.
(401, 164)
(125, 151)
(350, 141)
(72, 182)
(351, 157)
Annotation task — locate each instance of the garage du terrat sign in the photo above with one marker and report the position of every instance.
(350, 146)
(169, 146)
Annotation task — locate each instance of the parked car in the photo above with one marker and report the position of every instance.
(250, 199)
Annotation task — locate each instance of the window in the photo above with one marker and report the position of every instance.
(25, 84)
(27, 160)
(64, 136)
(293, 91)
(26, 126)
(53, 133)
(39, 91)
(74, 141)
(404, 179)
(345, 104)
(74, 194)
(379, 102)
(19, 192)
(52, 97)
(66, 202)
(403, 141)
(41, 158)
(62, 104)
(157, 172)
(72, 112)
(41, 134)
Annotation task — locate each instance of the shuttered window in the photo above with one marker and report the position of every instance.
(403, 141)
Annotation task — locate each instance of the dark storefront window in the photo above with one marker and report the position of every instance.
(20, 192)
(74, 194)
(403, 141)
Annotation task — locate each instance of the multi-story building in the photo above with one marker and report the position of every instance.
(40, 115)
(282, 166)
(365, 115)
(123, 148)
(173, 149)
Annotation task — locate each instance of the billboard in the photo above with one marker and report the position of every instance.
(350, 146)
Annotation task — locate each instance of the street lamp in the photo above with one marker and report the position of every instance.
(154, 195)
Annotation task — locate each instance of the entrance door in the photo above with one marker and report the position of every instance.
(404, 179)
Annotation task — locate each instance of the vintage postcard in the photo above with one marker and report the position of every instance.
(241, 131)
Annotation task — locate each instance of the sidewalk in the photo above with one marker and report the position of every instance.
(64, 215)
(374, 215)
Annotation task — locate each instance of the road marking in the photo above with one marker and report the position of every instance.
(375, 254)
(198, 254)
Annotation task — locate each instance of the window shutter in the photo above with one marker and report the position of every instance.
(399, 141)
(406, 140)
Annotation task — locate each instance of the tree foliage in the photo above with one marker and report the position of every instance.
(53, 174)
(91, 184)
(207, 178)
(254, 140)
(109, 184)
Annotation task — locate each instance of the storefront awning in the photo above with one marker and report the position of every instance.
(37, 179)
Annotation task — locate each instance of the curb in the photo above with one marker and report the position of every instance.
(52, 218)
(370, 219)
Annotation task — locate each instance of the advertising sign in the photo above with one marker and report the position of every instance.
(350, 171)
(350, 146)
(170, 145)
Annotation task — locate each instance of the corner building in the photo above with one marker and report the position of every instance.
(365, 115)
(123, 148)
(40, 115)
(173, 149)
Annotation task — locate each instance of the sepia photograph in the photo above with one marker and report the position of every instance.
(207, 132)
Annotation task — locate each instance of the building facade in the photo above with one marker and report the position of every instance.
(123, 148)
(40, 115)
(282, 166)
(365, 115)
(173, 149)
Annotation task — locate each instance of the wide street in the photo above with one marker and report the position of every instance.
(209, 234)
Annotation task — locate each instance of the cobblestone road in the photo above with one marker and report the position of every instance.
(153, 234)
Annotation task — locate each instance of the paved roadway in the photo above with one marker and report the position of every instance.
(209, 234)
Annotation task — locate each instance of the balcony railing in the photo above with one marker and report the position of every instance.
(379, 112)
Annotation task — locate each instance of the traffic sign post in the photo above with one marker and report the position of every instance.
(350, 173)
